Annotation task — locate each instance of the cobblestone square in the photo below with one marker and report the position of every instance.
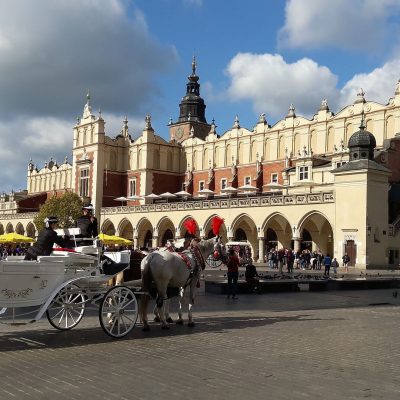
(335, 345)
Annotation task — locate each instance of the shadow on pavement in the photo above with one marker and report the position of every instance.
(50, 339)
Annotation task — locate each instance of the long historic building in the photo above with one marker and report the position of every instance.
(329, 183)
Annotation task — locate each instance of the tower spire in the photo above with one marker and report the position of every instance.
(194, 66)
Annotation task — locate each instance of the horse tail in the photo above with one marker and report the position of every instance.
(147, 276)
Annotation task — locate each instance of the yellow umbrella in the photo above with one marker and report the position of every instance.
(13, 237)
(112, 239)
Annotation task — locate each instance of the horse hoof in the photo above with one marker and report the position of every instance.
(190, 324)
(170, 320)
(157, 319)
(165, 327)
(145, 328)
(179, 322)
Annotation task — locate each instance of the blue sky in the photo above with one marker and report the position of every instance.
(253, 56)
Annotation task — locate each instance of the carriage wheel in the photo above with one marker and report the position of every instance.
(67, 308)
(118, 311)
(213, 263)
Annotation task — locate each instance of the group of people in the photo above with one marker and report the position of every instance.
(87, 223)
(305, 259)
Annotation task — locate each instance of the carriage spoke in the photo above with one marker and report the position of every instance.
(70, 315)
(130, 319)
(61, 318)
(58, 313)
(128, 303)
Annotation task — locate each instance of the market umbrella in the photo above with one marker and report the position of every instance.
(121, 199)
(112, 239)
(152, 196)
(229, 190)
(13, 237)
(134, 198)
(184, 194)
(248, 188)
(274, 185)
(205, 192)
(167, 195)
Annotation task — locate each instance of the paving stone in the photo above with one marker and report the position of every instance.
(330, 345)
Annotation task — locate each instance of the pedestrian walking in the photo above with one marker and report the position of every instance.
(327, 264)
(346, 260)
(335, 266)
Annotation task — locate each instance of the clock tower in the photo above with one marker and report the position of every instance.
(192, 120)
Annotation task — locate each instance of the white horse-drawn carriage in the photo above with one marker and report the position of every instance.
(66, 283)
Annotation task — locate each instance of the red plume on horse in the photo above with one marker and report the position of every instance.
(216, 223)
(191, 226)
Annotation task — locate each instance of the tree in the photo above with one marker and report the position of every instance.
(67, 208)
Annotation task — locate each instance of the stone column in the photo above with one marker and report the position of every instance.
(154, 242)
(136, 243)
(297, 244)
(261, 250)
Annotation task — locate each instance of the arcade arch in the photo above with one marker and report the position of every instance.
(20, 229)
(165, 230)
(277, 232)
(182, 229)
(125, 229)
(108, 227)
(145, 233)
(31, 230)
(244, 228)
(1, 229)
(208, 233)
(316, 233)
(9, 228)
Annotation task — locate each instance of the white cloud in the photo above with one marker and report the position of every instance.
(50, 53)
(355, 24)
(378, 85)
(272, 84)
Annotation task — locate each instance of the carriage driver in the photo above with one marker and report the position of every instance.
(87, 222)
(45, 241)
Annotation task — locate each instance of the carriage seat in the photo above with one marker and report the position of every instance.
(110, 267)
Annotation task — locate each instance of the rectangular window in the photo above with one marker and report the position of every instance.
(247, 180)
(274, 178)
(303, 173)
(132, 187)
(201, 185)
(223, 183)
(340, 163)
(84, 182)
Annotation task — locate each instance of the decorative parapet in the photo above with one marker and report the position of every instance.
(18, 216)
(237, 202)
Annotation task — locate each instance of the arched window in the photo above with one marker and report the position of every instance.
(313, 141)
(282, 147)
(330, 142)
(389, 127)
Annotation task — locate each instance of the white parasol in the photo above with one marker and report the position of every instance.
(205, 192)
(121, 199)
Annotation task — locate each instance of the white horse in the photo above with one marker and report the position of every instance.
(177, 270)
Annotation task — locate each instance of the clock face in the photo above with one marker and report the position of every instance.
(179, 133)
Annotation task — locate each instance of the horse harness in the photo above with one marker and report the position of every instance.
(199, 262)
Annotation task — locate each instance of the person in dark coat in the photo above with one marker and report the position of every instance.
(45, 241)
(87, 222)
